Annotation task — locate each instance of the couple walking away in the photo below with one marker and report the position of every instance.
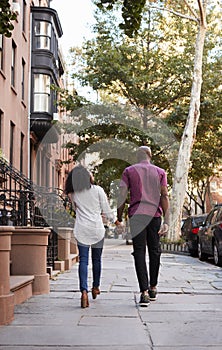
(147, 186)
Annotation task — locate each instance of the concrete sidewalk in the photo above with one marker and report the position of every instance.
(186, 315)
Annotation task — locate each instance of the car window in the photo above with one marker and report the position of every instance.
(214, 216)
(186, 225)
(199, 220)
(209, 217)
(219, 215)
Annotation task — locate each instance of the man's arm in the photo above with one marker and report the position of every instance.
(165, 205)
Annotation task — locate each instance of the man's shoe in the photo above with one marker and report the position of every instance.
(153, 294)
(95, 292)
(144, 300)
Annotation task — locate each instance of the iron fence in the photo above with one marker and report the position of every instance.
(22, 203)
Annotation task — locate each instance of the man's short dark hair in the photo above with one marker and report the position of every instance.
(143, 153)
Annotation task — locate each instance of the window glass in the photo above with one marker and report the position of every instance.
(11, 151)
(43, 32)
(199, 220)
(21, 152)
(41, 93)
(214, 216)
(13, 64)
(23, 79)
(1, 51)
(1, 128)
(219, 217)
(24, 16)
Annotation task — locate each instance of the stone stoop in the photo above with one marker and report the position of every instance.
(21, 287)
(74, 258)
(62, 266)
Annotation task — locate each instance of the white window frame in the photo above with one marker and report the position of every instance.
(41, 93)
(43, 34)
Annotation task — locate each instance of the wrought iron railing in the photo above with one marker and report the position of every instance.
(16, 197)
(22, 203)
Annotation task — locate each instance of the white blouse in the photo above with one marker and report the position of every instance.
(89, 205)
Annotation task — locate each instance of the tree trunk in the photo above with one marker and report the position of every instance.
(183, 162)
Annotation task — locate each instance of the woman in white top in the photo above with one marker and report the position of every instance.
(90, 202)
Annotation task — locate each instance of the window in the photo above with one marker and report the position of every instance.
(47, 172)
(53, 177)
(219, 218)
(12, 131)
(213, 186)
(24, 16)
(23, 79)
(21, 152)
(41, 93)
(38, 168)
(43, 32)
(214, 216)
(13, 64)
(1, 52)
(1, 127)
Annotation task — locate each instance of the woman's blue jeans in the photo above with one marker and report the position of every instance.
(96, 254)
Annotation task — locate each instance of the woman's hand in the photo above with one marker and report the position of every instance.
(120, 228)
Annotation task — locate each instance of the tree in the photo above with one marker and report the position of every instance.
(131, 13)
(196, 12)
(6, 18)
(148, 72)
(142, 73)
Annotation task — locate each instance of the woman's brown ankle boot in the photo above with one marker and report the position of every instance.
(95, 292)
(84, 299)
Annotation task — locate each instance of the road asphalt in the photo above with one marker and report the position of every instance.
(186, 315)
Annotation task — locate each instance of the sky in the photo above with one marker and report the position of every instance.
(75, 16)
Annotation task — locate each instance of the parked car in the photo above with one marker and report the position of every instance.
(189, 231)
(210, 236)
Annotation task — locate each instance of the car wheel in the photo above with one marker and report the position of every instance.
(193, 253)
(217, 257)
(202, 256)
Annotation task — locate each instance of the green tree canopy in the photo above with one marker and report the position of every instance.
(6, 18)
(150, 71)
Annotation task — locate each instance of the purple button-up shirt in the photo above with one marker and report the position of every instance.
(144, 181)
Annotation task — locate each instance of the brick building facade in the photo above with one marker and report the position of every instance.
(30, 63)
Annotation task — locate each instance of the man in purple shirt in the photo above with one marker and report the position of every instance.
(147, 185)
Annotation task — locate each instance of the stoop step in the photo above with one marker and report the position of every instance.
(74, 258)
(21, 286)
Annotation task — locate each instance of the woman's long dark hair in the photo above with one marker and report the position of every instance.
(78, 179)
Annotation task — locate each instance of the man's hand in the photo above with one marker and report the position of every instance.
(120, 228)
(163, 230)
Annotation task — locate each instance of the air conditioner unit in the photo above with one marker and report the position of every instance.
(16, 8)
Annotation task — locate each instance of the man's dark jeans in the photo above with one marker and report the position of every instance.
(144, 230)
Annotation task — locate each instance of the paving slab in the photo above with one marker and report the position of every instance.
(109, 332)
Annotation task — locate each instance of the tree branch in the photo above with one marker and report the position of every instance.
(202, 13)
(191, 9)
(195, 19)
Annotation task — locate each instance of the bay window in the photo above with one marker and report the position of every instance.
(43, 32)
(41, 93)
